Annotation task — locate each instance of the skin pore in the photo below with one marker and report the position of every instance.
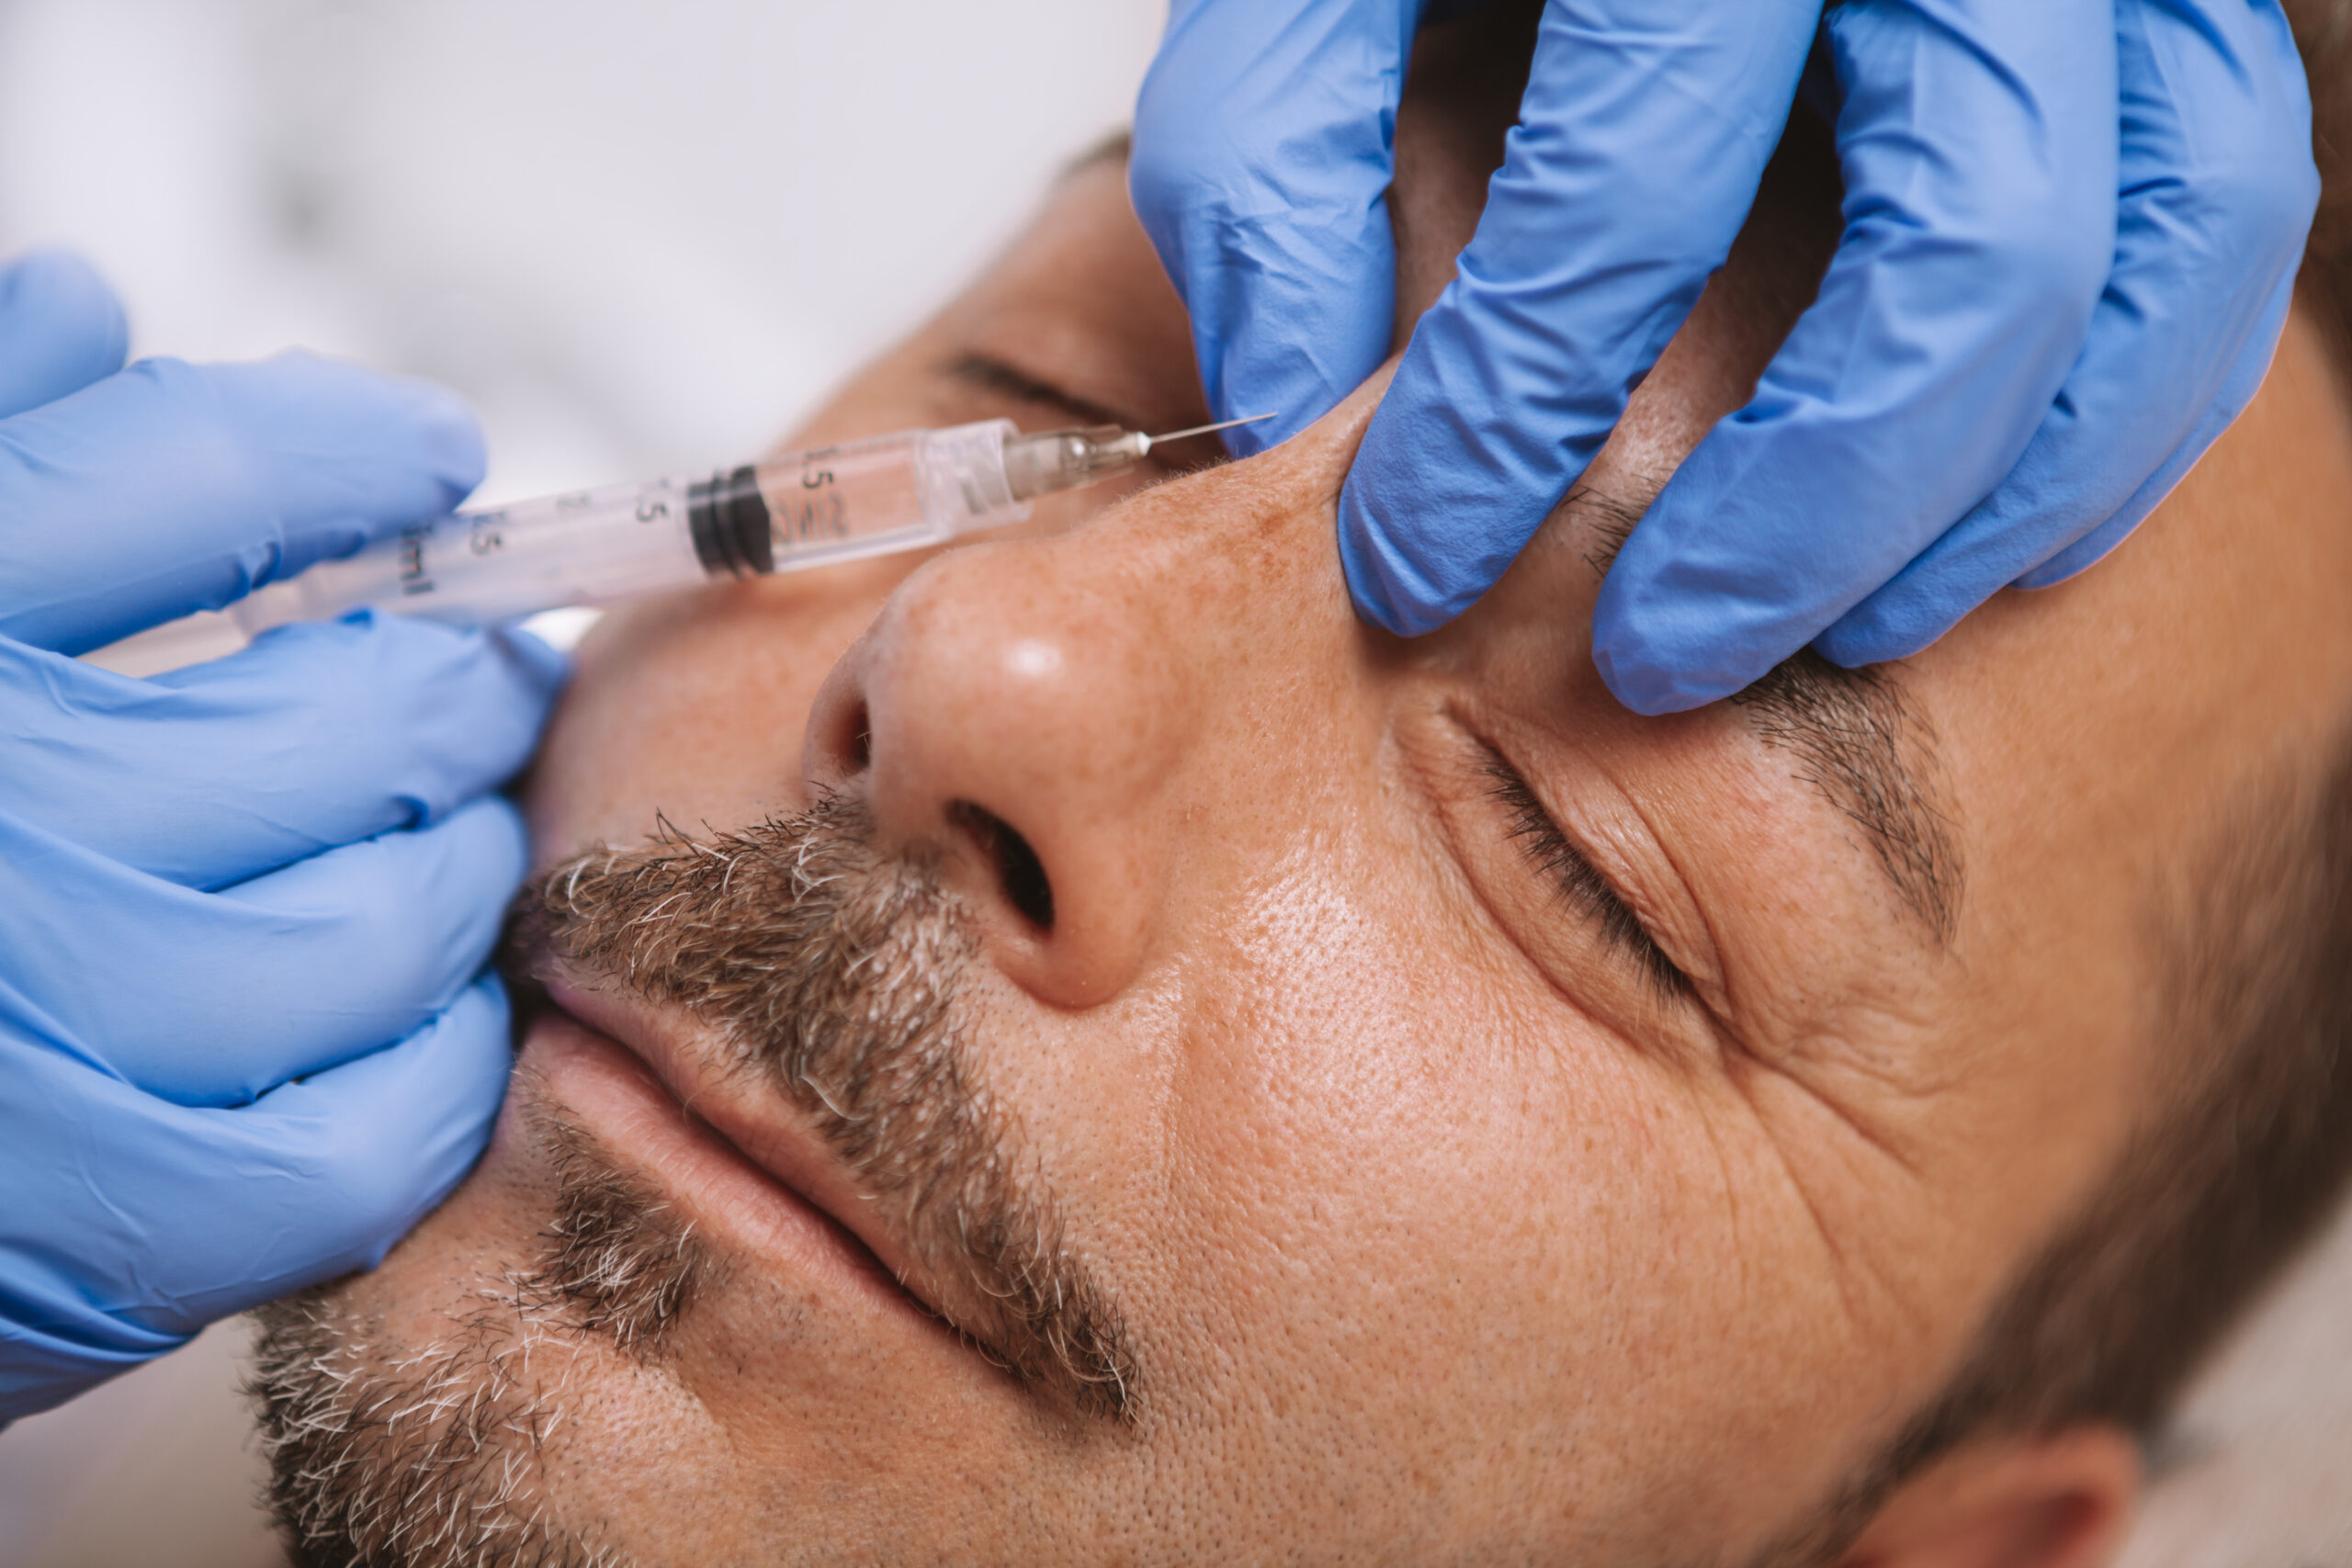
(1488, 1126)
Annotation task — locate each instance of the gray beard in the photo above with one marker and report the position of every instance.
(831, 970)
(823, 966)
(403, 1457)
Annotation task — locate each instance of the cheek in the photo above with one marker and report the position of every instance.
(1425, 1229)
(1358, 1264)
(692, 705)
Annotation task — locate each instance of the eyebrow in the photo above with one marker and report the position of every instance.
(1857, 738)
(987, 373)
(1872, 756)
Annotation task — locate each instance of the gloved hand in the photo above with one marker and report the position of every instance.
(2072, 228)
(245, 1038)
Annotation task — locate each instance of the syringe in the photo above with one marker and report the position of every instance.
(596, 546)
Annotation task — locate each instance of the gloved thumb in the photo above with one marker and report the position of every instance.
(60, 329)
(171, 488)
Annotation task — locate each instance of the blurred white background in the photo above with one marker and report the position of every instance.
(641, 237)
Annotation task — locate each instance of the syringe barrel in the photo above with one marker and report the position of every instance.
(596, 546)
(582, 547)
(862, 498)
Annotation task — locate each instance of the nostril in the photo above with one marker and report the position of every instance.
(861, 739)
(853, 739)
(1018, 870)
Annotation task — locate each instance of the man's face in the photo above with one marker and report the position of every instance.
(1140, 1066)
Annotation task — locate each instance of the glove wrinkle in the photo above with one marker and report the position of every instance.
(2212, 225)
(247, 1039)
(314, 737)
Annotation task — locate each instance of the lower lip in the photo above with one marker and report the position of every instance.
(643, 1128)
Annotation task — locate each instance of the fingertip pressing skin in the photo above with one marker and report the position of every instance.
(1800, 521)
(2215, 211)
(1515, 378)
(1978, 155)
(1266, 202)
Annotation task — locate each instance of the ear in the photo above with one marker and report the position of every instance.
(2058, 1501)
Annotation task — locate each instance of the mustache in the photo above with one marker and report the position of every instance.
(834, 969)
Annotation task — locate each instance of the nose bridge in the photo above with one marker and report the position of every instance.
(1061, 713)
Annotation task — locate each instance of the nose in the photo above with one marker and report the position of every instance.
(1005, 709)
(1068, 718)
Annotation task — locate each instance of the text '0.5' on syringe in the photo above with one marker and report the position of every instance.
(897, 493)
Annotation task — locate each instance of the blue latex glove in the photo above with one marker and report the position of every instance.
(245, 1037)
(2071, 235)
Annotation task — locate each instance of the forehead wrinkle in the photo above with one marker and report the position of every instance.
(1872, 756)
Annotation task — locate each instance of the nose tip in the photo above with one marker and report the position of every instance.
(1002, 716)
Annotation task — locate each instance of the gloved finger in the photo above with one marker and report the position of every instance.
(226, 995)
(172, 488)
(318, 735)
(191, 1216)
(1979, 146)
(1643, 136)
(1263, 150)
(2281, 209)
(60, 329)
(2219, 190)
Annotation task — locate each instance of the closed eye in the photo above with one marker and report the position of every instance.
(1581, 886)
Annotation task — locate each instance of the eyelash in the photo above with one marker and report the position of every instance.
(1584, 889)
